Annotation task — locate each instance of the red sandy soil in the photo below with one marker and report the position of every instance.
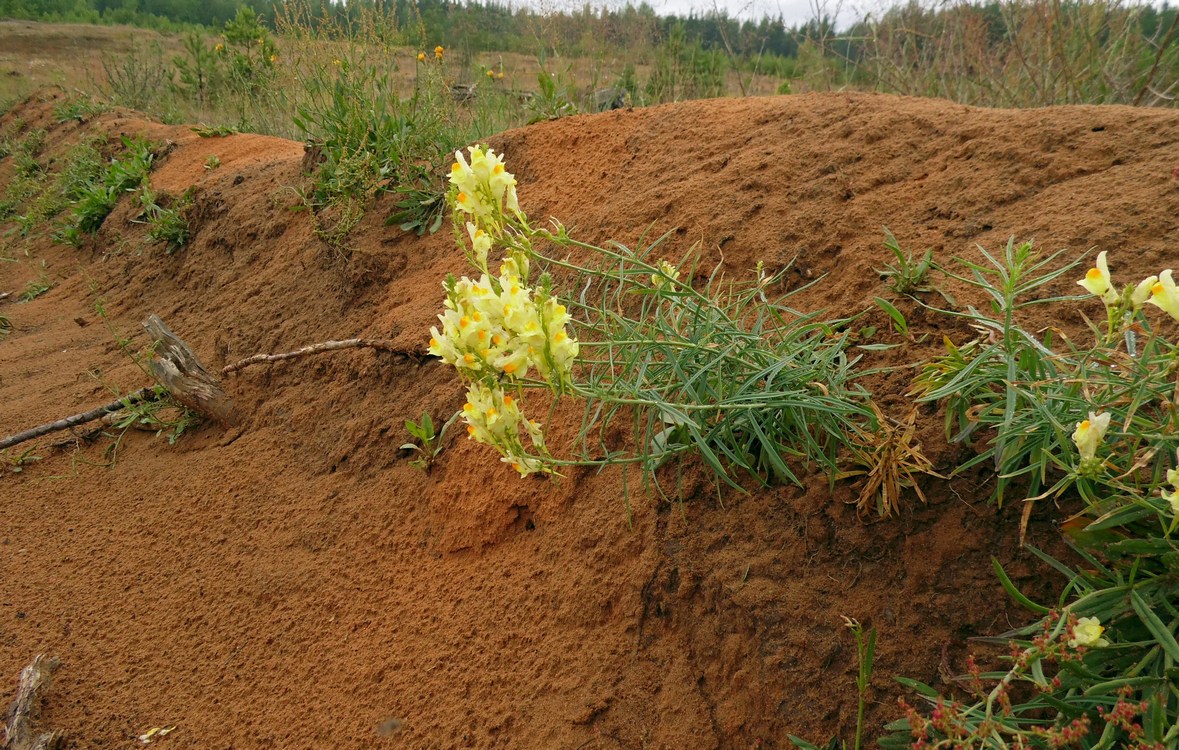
(294, 583)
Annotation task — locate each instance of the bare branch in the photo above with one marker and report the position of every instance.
(384, 345)
(140, 396)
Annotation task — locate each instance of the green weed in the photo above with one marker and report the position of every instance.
(80, 107)
(167, 223)
(430, 443)
(36, 287)
(14, 462)
(554, 98)
(97, 197)
(865, 655)
(909, 275)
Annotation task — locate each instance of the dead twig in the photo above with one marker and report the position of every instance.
(384, 345)
(174, 367)
(140, 396)
(20, 730)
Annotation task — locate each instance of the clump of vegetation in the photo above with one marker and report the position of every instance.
(1096, 421)
(909, 275)
(36, 287)
(97, 197)
(717, 369)
(79, 107)
(168, 222)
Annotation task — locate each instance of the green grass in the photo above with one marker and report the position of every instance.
(35, 288)
(168, 223)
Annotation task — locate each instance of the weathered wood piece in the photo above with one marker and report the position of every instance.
(143, 394)
(383, 345)
(20, 722)
(180, 371)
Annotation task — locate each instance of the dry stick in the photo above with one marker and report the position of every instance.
(140, 396)
(25, 712)
(384, 345)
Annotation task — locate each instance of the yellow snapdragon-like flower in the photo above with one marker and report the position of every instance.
(480, 243)
(492, 416)
(1087, 633)
(1097, 280)
(485, 187)
(1164, 294)
(667, 277)
(1089, 435)
(1172, 497)
(525, 465)
(1141, 294)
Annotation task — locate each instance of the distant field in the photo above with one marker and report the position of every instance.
(35, 54)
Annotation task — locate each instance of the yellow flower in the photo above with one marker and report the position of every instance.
(219, 47)
(1164, 294)
(485, 186)
(481, 243)
(336, 62)
(421, 57)
(1097, 280)
(500, 75)
(1141, 293)
(667, 276)
(1087, 633)
(491, 74)
(438, 52)
(273, 59)
(523, 464)
(1089, 434)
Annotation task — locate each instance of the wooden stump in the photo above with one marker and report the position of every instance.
(177, 369)
(23, 716)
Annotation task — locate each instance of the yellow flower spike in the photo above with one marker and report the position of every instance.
(421, 57)
(438, 52)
